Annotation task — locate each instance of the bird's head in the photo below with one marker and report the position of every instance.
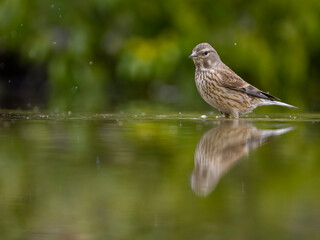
(204, 56)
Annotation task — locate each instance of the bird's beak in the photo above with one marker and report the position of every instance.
(193, 55)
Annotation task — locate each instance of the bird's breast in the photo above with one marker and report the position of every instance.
(208, 87)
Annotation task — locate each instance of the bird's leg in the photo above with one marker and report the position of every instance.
(235, 114)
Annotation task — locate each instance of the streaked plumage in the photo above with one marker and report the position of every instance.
(223, 89)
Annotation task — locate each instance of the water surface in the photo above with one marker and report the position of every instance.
(176, 176)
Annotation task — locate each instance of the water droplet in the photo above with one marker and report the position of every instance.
(235, 44)
(90, 62)
(52, 6)
(74, 89)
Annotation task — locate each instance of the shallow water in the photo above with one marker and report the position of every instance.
(176, 176)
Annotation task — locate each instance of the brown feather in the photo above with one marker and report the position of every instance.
(233, 81)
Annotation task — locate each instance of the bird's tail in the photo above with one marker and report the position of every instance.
(271, 102)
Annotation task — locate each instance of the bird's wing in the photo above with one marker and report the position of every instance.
(231, 80)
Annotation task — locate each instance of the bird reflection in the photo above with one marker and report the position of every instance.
(221, 147)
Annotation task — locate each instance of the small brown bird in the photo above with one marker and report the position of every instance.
(223, 89)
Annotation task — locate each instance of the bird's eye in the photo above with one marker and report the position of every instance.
(206, 53)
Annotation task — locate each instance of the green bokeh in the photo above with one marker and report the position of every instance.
(121, 54)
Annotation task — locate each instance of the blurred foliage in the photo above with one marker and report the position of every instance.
(105, 54)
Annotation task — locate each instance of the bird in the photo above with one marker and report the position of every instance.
(219, 149)
(223, 89)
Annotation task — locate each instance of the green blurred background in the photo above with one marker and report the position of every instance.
(119, 55)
